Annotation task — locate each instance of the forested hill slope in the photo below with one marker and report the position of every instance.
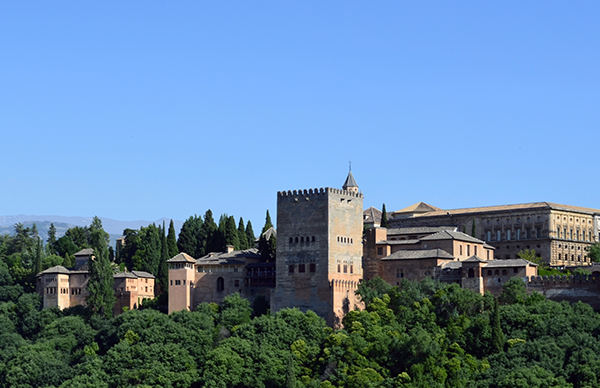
(415, 335)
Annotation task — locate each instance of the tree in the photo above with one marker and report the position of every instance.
(163, 271)
(242, 235)
(593, 252)
(172, 241)
(231, 233)
(268, 223)
(188, 236)
(497, 335)
(529, 255)
(250, 235)
(101, 298)
(384, 220)
(473, 228)
(51, 239)
(209, 232)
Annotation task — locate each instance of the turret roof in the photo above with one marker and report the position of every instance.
(182, 258)
(350, 181)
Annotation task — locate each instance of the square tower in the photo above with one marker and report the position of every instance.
(319, 251)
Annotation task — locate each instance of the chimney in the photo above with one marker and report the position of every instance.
(229, 248)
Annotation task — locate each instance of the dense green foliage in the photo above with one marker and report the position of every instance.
(384, 219)
(413, 335)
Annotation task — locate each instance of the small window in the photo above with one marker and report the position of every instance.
(237, 283)
(313, 238)
(515, 270)
(503, 272)
(291, 268)
(312, 267)
(291, 240)
(339, 268)
(301, 268)
(301, 239)
(345, 268)
(471, 273)
(489, 272)
(220, 284)
(177, 282)
(379, 251)
(296, 240)
(351, 269)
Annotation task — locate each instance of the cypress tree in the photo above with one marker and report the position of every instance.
(51, 240)
(163, 271)
(250, 235)
(209, 230)
(172, 241)
(384, 220)
(231, 233)
(268, 223)
(101, 298)
(242, 235)
(473, 228)
(497, 335)
(187, 240)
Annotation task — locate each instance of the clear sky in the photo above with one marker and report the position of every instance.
(147, 109)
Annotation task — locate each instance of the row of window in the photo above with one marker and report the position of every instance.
(63, 291)
(508, 220)
(585, 236)
(460, 249)
(302, 239)
(181, 265)
(537, 233)
(346, 240)
(566, 257)
(312, 267)
(345, 268)
(220, 268)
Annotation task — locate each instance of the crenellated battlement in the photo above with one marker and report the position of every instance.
(553, 280)
(318, 192)
(339, 284)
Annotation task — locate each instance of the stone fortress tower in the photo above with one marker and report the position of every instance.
(319, 250)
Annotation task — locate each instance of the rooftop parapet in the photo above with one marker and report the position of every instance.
(564, 279)
(318, 192)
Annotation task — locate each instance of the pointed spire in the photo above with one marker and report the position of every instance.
(350, 183)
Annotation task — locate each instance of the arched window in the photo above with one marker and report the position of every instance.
(291, 240)
(471, 273)
(220, 284)
(496, 272)
(503, 272)
(296, 239)
(489, 272)
(301, 239)
(313, 238)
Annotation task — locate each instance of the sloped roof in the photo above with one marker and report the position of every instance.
(85, 252)
(452, 235)
(181, 258)
(504, 208)
(474, 259)
(418, 230)
(350, 181)
(229, 258)
(419, 254)
(56, 269)
(420, 207)
(372, 215)
(271, 232)
(398, 242)
(128, 275)
(509, 263)
(143, 274)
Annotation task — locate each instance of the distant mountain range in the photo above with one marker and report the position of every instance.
(113, 227)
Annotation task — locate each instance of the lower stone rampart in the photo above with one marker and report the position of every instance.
(571, 288)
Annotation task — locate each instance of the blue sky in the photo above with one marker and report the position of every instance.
(141, 110)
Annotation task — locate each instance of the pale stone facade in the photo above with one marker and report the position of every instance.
(214, 276)
(319, 250)
(558, 233)
(61, 287)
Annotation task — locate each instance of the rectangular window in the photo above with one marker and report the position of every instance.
(571, 234)
(345, 268)
(171, 284)
(399, 273)
(515, 270)
(380, 251)
(488, 236)
(312, 267)
(475, 246)
(468, 250)
(460, 250)
(184, 282)
(301, 268)
(177, 283)
(528, 233)
(291, 268)
(519, 234)
(339, 268)
(538, 233)
(557, 232)
(498, 235)
(237, 283)
(508, 235)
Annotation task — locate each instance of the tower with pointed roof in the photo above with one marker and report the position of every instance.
(319, 250)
